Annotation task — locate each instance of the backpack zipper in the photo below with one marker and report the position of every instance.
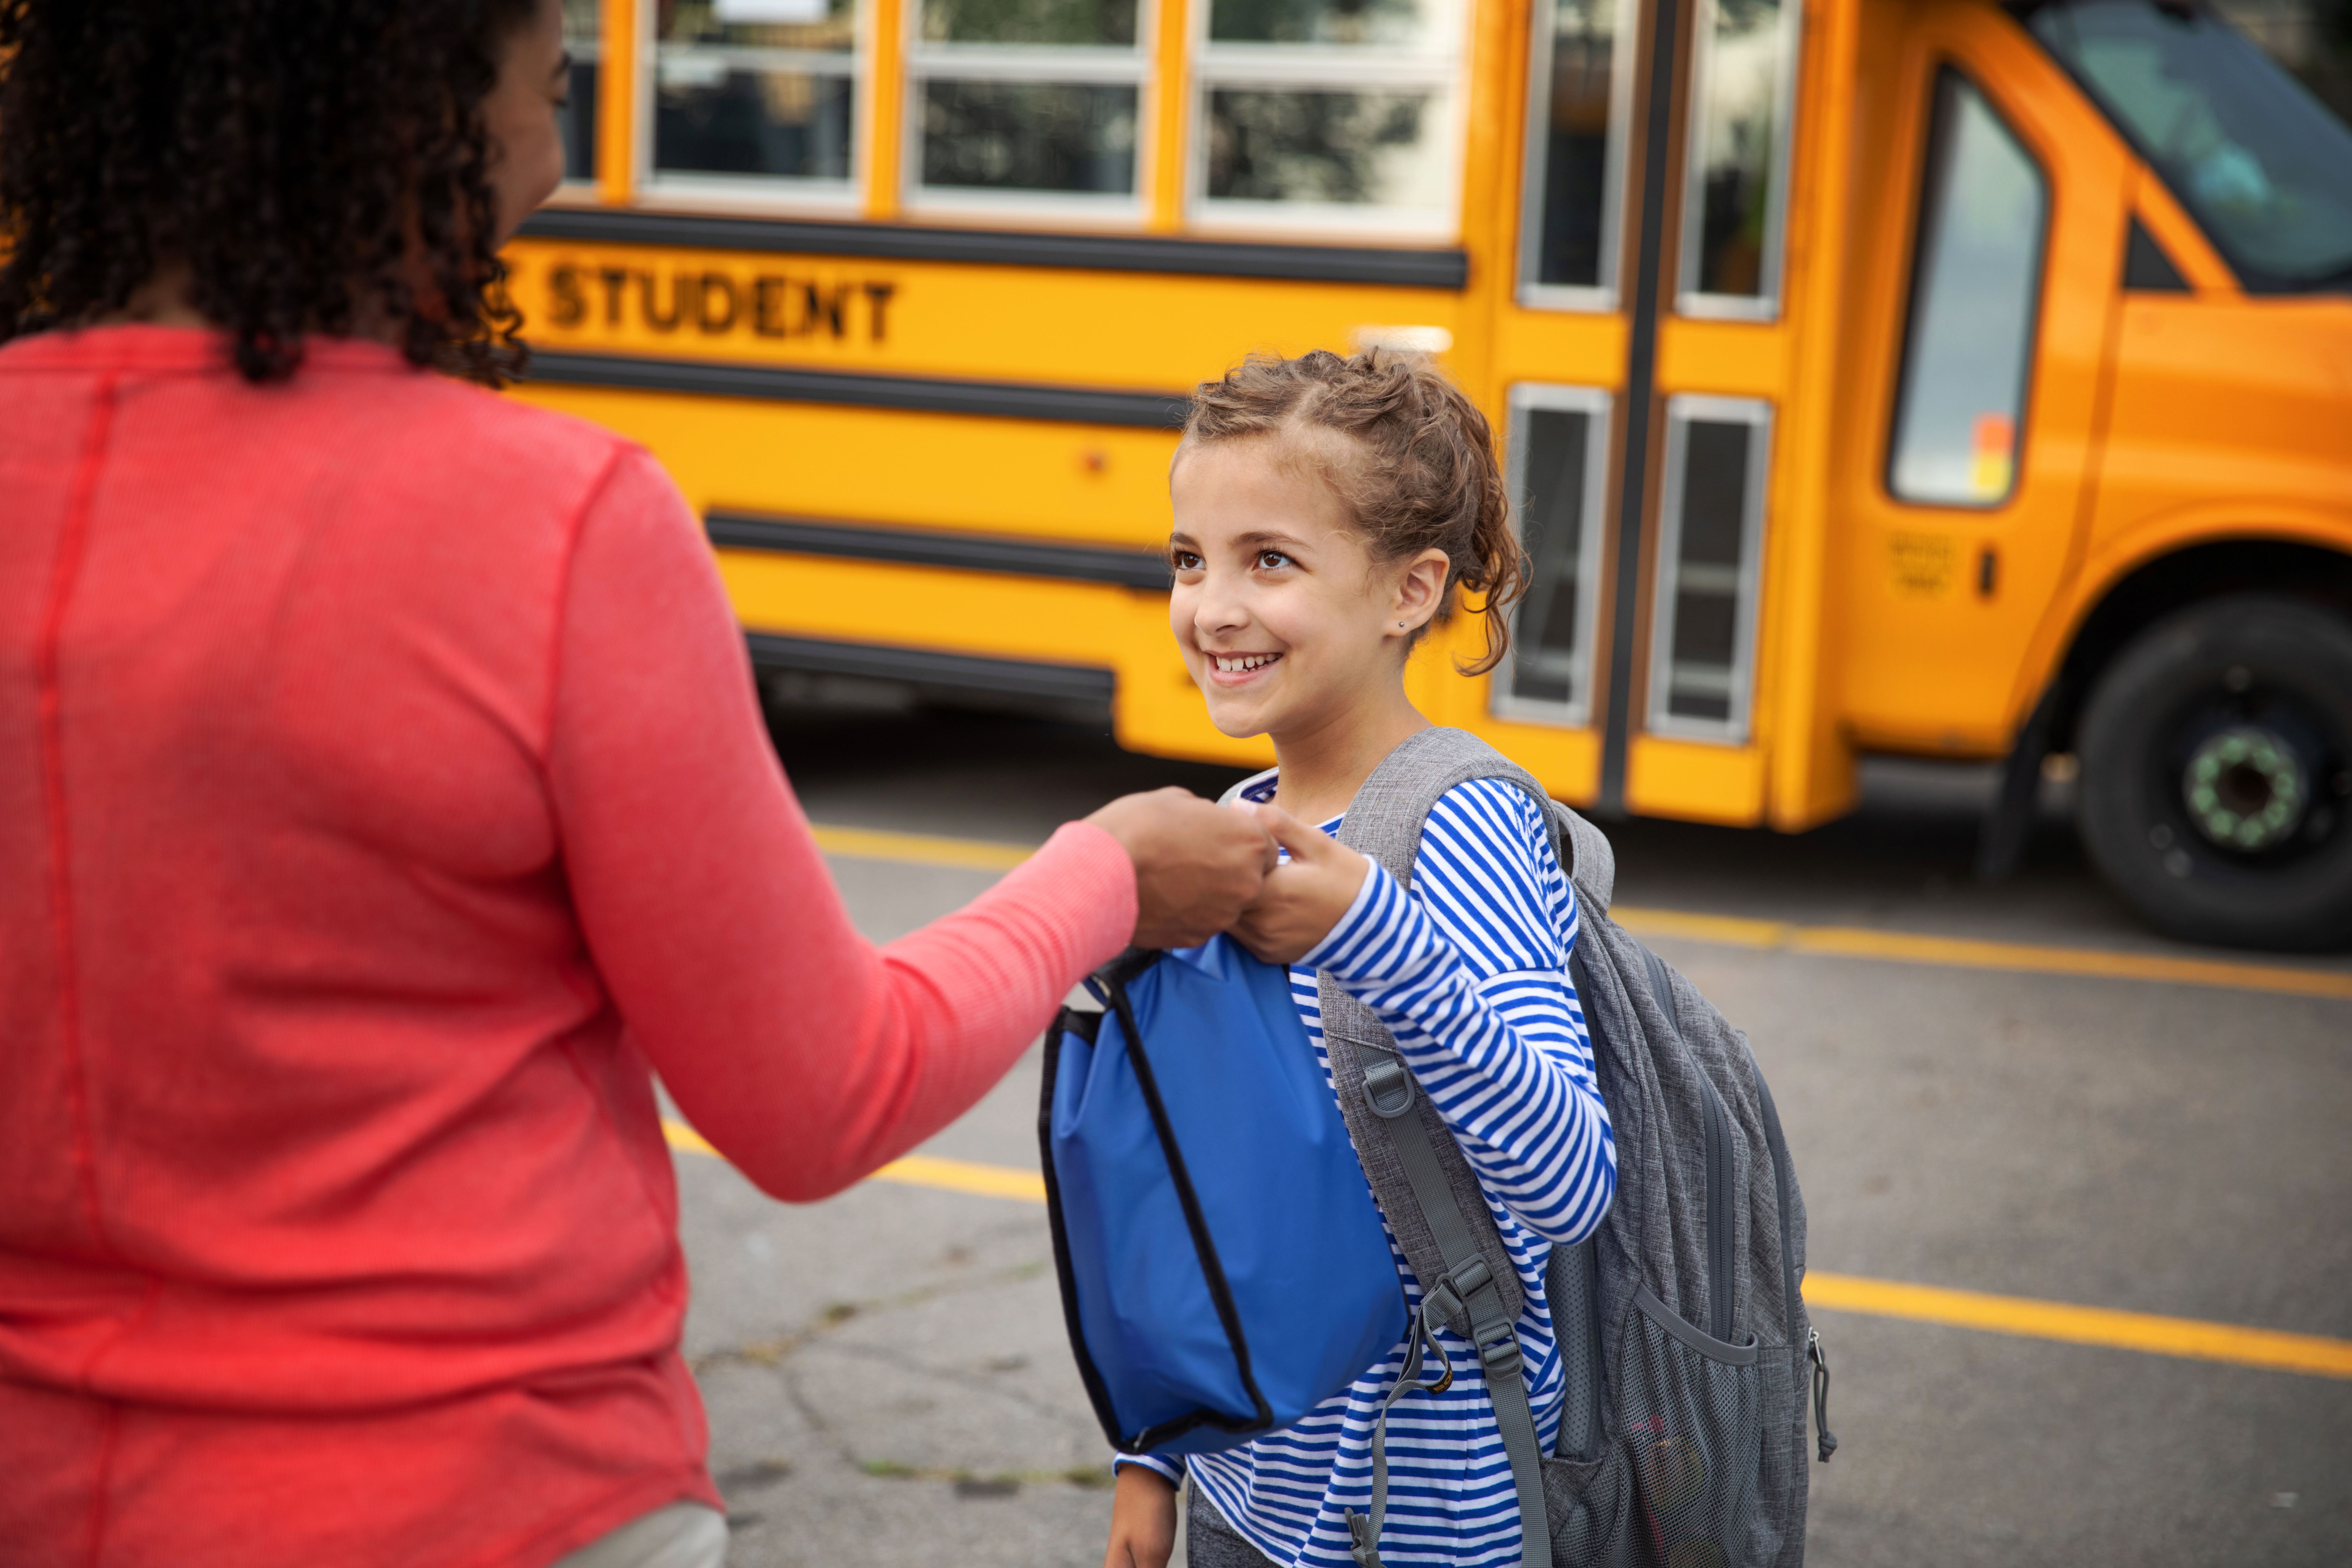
(1718, 1212)
(1717, 1129)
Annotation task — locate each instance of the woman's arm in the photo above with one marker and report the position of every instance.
(807, 1055)
(1469, 974)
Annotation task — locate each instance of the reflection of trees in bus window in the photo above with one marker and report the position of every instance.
(576, 121)
(1975, 285)
(1078, 22)
(2263, 165)
(1036, 97)
(1030, 136)
(1730, 216)
(759, 89)
(1572, 162)
(1330, 113)
(1342, 147)
(1383, 23)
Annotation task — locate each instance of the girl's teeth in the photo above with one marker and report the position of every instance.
(1245, 661)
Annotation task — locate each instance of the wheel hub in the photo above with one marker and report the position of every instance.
(2245, 788)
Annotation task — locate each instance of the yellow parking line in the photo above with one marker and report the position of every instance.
(686, 1139)
(1965, 952)
(913, 1171)
(964, 1176)
(920, 848)
(1960, 952)
(2311, 1354)
(1733, 930)
(1724, 931)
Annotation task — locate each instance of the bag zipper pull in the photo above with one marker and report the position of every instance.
(1814, 1353)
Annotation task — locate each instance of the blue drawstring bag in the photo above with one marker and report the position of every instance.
(1224, 1269)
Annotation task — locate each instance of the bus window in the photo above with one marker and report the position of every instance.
(1710, 559)
(1558, 476)
(1976, 285)
(1336, 114)
(1015, 100)
(1580, 94)
(1735, 189)
(583, 35)
(2307, 36)
(2262, 164)
(753, 96)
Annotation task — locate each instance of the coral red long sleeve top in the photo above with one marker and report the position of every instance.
(381, 794)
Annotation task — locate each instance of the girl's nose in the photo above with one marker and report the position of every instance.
(1219, 608)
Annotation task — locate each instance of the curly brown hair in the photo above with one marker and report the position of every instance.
(313, 165)
(1415, 465)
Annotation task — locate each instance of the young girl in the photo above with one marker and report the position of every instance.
(1325, 512)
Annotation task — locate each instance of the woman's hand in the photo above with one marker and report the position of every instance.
(1142, 1519)
(1303, 899)
(1196, 864)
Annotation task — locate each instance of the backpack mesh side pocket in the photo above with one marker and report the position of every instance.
(1589, 1504)
(1692, 1408)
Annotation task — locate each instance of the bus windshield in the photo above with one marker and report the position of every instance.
(2265, 167)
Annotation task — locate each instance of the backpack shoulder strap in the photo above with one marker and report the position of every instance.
(1432, 1199)
(1376, 1092)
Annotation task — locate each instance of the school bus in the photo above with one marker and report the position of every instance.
(1919, 376)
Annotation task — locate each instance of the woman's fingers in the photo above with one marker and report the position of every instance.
(1302, 901)
(1196, 866)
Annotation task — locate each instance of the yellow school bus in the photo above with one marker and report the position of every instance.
(1922, 376)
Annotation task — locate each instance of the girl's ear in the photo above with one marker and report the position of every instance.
(1420, 589)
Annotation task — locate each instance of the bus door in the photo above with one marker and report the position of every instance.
(1643, 355)
(1984, 312)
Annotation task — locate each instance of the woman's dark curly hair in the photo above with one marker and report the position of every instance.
(317, 166)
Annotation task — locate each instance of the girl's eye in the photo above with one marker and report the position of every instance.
(1273, 560)
(1183, 560)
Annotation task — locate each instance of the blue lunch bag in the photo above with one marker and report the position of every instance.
(1222, 1265)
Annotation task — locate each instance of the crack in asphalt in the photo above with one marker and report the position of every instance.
(773, 1355)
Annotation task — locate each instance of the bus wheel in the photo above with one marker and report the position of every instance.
(2217, 773)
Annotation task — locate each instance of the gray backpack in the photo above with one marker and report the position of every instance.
(1683, 1336)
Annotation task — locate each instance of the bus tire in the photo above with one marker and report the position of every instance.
(2216, 755)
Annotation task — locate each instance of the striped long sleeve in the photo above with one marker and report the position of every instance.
(1469, 972)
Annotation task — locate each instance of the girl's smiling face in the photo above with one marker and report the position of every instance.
(1285, 621)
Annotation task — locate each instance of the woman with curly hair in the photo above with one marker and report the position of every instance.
(383, 798)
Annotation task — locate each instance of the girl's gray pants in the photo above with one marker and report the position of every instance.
(1210, 1542)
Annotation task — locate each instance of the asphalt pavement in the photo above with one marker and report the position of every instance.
(888, 1381)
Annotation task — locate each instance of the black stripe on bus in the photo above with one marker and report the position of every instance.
(1398, 267)
(928, 666)
(925, 547)
(1641, 392)
(999, 399)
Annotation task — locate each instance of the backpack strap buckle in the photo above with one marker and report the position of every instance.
(1498, 1350)
(1388, 1087)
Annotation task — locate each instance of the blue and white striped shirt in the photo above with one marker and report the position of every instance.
(1469, 972)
